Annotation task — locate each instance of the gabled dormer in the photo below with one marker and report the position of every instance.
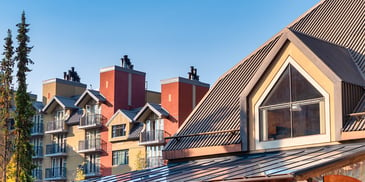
(58, 112)
(90, 102)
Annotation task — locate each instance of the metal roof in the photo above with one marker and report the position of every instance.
(75, 117)
(94, 94)
(264, 166)
(155, 108)
(135, 130)
(330, 23)
(38, 105)
(64, 102)
(356, 123)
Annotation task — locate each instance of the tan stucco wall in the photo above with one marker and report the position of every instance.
(60, 89)
(154, 97)
(136, 153)
(309, 67)
(74, 159)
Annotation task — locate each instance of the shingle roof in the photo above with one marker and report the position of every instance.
(265, 165)
(65, 102)
(94, 94)
(330, 21)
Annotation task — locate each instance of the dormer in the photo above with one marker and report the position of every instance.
(90, 102)
(59, 112)
(122, 127)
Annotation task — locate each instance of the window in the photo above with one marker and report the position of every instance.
(118, 130)
(120, 157)
(292, 108)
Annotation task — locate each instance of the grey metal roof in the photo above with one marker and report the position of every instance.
(38, 105)
(337, 22)
(337, 58)
(65, 102)
(135, 130)
(131, 113)
(94, 94)
(155, 108)
(356, 123)
(75, 117)
(220, 109)
(266, 165)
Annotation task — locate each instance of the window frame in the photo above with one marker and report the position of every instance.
(116, 155)
(115, 129)
(300, 140)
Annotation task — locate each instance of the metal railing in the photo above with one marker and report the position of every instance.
(90, 145)
(91, 169)
(154, 161)
(154, 136)
(38, 151)
(37, 174)
(91, 120)
(56, 125)
(56, 172)
(55, 149)
(37, 129)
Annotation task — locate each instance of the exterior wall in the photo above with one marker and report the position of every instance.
(123, 89)
(136, 153)
(179, 97)
(74, 159)
(306, 64)
(61, 87)
(153, 97)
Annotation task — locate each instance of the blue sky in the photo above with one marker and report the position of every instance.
(162, 37)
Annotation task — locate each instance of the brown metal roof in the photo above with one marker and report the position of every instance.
(337, 22)
(250, 167)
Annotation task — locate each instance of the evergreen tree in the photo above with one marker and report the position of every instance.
(6, 78)
(24, 111)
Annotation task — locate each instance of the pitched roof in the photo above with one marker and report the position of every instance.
(357, 122)
(251, 167)
(328, 27)
(129, 114)
(135, 131)
(75, 117)
(64, 102)
(38, 105)
(94, 94)
(155, 108)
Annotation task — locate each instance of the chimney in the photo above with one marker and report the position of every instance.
(126, 62)
(193, 74)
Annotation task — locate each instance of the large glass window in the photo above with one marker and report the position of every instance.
(292, 108)
(120, 157)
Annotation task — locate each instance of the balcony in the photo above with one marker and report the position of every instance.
(54, 174)
(91, 170)
(88, 146)
(152, 137)
(37, 174)
(154, 161)
(37, 129)
(38, 152)
(54, 150)
(57, 126)
(91, 121)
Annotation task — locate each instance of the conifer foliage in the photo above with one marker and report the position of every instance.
(6, 79)
(24, 111)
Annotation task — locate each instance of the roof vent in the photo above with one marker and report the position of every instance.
(71, 75)
(126, 62)
(193, 75)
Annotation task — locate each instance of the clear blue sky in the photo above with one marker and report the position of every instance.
(162, 37)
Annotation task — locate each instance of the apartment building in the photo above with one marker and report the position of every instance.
(37, 133)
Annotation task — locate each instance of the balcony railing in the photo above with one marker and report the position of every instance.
(95, 145)
(38, 152)
(57, 126)
(57, 173)
(91, 170)
(152, 137)
(91, 121)
(154, 161)
(37, 174)
(55, 150)
(37, 129)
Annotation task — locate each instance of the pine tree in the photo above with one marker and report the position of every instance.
(6, 78)
(24, 111)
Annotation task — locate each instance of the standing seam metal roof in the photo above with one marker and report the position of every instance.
(335, 21)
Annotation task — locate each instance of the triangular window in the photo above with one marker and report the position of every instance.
(291, 109)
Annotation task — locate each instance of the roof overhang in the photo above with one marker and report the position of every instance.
(147, 109)
(52, 104)
(86, 96)
(119, 112)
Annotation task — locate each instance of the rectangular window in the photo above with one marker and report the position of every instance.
(118, 130)
(120, 157)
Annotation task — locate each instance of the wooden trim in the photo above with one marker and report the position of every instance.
(353, 135)
(204, 151)
(357, 114)
(205, 133)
